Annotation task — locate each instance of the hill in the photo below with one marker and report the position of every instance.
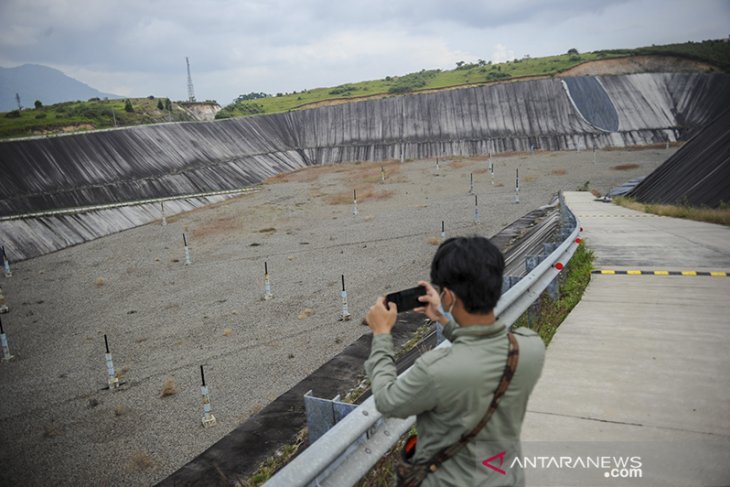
(35, 82)
(94, 114)
(97, 113)
(710, 55)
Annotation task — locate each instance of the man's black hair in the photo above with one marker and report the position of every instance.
(472, 268)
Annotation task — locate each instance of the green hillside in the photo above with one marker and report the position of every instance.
(87, 115)
(98, 114)
(716, 52)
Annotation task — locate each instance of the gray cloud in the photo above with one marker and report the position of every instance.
(138, 47)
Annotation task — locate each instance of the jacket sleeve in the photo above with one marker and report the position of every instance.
(399, 397)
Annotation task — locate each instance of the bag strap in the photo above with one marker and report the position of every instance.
(510, 367)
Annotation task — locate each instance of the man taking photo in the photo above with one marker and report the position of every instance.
(470, 399)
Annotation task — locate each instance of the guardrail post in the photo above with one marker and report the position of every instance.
(323, 414)
(552, 289)
(508, 282)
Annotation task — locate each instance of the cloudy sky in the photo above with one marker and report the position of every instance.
(138, 47)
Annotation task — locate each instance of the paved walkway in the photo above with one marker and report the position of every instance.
(641, 367)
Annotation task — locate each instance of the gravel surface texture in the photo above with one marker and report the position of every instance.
(164, 319)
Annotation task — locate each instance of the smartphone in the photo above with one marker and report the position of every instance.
(407, 299)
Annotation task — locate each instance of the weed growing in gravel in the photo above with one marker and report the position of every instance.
(306, 313)
(364, 193)
(142, 461)
(280, 458)
(625, 167)
(53, 429)
(168, 388)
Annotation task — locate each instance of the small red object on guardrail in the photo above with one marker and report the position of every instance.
(559, 266)
(578, 240)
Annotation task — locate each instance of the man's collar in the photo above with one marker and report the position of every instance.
(480, 331)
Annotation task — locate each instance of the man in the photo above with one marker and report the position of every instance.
(450, 389)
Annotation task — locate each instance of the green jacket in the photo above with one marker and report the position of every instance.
(449, 389)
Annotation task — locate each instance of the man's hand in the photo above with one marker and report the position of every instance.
(432, 302)
(380, 318)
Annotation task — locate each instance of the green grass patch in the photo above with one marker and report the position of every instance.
(553, 313)
(93, 114)
(720, 215)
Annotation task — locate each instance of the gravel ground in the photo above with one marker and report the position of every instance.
(164, 319)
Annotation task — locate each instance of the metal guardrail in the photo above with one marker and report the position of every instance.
(345, 453)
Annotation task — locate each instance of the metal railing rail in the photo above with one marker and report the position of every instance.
(344, 454)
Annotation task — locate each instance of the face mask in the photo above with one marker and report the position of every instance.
(447, 314)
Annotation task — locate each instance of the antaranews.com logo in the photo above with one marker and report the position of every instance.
(613, 467)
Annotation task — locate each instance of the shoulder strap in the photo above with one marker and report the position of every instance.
(510, 367)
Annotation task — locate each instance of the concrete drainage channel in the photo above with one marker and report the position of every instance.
(237, 456)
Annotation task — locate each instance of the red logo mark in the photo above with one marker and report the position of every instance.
(501, 462)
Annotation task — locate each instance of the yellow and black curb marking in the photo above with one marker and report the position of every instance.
(661, 273)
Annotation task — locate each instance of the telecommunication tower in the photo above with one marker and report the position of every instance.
(191, 91)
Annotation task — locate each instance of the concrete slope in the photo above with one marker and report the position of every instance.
(640, 367)
(182, 158)
(698, 174)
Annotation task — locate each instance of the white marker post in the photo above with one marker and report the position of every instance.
(343, 294)
(443, 230)
(208, 419)
(4, 343)
(162, 210)
(471, 183)
(111, 376)
(594, 154)
(438, 168)
(6, 264)
(491, 169)
(476, 209)
(187, 250)
(267, 283)
(517, 185)
(354, 202)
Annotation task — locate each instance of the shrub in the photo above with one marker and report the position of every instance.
(343, 90)
(498, 75)
(168, 388)
(128, 106)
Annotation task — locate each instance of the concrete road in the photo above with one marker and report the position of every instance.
(640, 370)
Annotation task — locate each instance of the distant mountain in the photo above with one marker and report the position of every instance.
(35, 82)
